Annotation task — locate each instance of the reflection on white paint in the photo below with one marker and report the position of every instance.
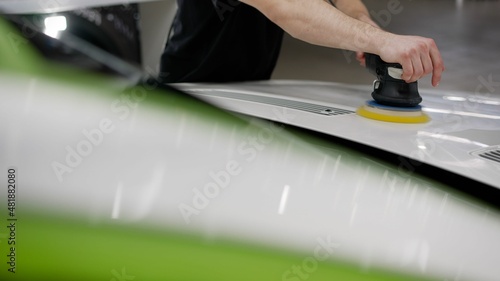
(212, 138)
(472, 99)
(321, 169)
(451, 138)
(416, 252)
(150, 192)
(452, 98)
(284, 198)
(287, 152)
(180, 131)
(117, 202)
(484, 101)
(335, 167)
(463, 113)
(54, 25)
(29, 98)
(353, 214)
(444, 201)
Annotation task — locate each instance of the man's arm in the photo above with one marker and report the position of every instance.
(319, 23)
(357, 10)
(353, 8)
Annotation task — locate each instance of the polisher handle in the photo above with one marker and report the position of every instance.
(389, 88)
(379, 68)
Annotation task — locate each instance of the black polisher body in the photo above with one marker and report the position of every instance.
(388, 90)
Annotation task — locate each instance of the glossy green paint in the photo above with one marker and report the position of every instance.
(52, 247)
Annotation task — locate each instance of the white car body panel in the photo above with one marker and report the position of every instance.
(291, 195)
(462, 125)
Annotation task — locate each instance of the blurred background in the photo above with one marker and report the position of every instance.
(466, 31)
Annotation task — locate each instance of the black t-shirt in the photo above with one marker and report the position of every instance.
(220, 41)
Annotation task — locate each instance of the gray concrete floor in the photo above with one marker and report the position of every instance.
(467, 33)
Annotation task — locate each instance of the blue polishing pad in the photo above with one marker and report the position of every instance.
(375, 104)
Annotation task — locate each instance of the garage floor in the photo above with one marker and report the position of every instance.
(467, 33)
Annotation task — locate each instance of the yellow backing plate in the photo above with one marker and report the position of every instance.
(385, 115)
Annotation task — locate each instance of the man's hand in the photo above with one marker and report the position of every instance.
(418, 56)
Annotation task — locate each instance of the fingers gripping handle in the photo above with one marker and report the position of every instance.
(389, 88)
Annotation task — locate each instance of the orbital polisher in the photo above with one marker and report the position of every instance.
(394, 100)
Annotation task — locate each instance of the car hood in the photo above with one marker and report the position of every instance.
(463, 136)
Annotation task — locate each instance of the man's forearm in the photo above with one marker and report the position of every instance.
(317, 22)
(353, 8)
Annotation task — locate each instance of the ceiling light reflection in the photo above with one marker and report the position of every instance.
(284, 198)
(453, 98)
(54, 25)
(463, 113)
